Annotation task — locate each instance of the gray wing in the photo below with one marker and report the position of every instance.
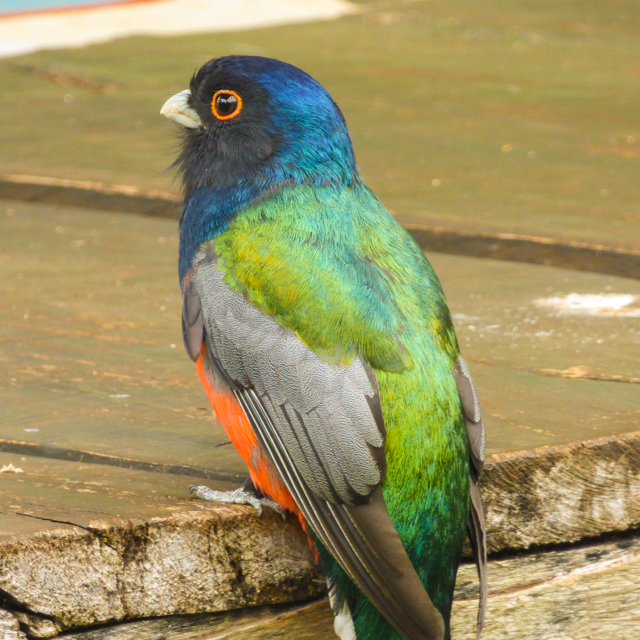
(477, 442)
(321, 427)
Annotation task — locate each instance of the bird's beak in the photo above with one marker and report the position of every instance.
(177, 108)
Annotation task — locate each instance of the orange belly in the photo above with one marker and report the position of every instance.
(235, 423)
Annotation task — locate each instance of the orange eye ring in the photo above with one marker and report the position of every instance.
(226, 104)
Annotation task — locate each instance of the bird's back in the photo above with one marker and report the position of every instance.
(333, 266)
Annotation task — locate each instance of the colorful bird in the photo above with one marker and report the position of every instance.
(323, 339)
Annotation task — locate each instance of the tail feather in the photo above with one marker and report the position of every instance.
(478, 537)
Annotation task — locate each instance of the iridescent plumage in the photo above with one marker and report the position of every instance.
(324, 340)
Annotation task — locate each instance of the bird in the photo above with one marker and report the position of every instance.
(323, 339)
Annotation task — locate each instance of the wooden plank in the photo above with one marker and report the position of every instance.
(572, 594)
(88, 544)
(40, 494)
(10, 627)
(562, 494)
(575, 594)
(90, 374)
(525, 126)
(306, 622)
(93, 286)
(542, 496)
(580, 256)
(94, 352)
(92, 366)
(92, 195)
(549, 495)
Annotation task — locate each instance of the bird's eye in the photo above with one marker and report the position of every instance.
(226, 104)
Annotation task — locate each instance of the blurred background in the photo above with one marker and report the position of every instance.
(519, 117)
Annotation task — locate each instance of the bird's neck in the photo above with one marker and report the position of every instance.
(208, 211)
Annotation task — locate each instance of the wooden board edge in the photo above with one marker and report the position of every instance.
(221, 558)
(564, 493)
(617, 261)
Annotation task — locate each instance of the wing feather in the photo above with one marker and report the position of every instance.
(477, 442)
(321, 427)
(192, 322)
(361, 537)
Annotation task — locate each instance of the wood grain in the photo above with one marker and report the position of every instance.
(10, 626)
(194, 561)
(590, 592)
(69, 559)
(562, 494)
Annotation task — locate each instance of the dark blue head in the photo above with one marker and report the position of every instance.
(252, 125)
(286, 128)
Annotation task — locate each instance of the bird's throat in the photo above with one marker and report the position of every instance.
(207, 213)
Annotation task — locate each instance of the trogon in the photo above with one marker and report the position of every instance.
(323, 339)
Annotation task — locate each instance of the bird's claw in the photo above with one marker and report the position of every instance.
(239, 496)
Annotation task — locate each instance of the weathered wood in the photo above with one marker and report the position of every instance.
(110, 389)
(530, 128)
(584, 593)
(562, 494)
(302, 622)
(90, 195)
(194, 561)
(84, 292)
(84, 544)
(580, 256)
(34, 491)
(95, 568)
(94, 352)
(10, 626)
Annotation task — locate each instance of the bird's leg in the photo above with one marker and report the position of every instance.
(246, 494)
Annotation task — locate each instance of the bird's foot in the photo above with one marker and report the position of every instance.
(239, 496)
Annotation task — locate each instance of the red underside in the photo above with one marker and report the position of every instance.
(235, 423)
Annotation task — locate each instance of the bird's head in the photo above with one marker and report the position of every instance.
(257, 122)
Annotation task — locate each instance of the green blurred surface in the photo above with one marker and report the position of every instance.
(507, 117)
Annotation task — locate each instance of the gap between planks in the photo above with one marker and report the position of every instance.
(497, 246)
(548, 495)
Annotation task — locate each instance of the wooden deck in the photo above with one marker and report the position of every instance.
(104, 427)
(463, 116)
(91, 339)
(585, 593)
(511, 136)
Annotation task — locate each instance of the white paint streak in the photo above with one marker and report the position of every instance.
(594, 304)
(9, 468)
